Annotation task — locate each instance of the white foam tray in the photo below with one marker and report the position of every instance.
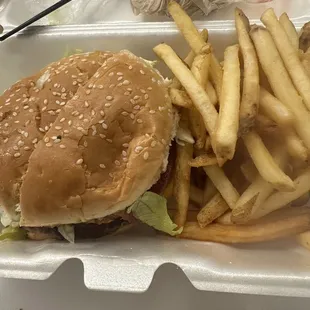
(128, 262)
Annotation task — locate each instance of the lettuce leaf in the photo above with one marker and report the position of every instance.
(13, 233)
(151, 209)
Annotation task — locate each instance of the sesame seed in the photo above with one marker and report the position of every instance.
(161, 108)
(125, 159)
(152, 111)
(58, 127)
(126, 145)
(136, 97)
(120, 78)
(26, 107)
(63, 103)
(93, 112)
(136, 107)
(36, 91)
(130, 67)
(124, 153)
(70, 123)
(85, 120)
(102, 113)
(63, 90)
(62, 120)
(132, 116)
(43, 109)
(102, 136)
(153, 80)
(66, 131)
(31, 110)
(15, 148)
(86, 104)
(20, 143)
(85, 144)
(80, 80)
(62, 146)
(6, 125)
(107, 105)
(41, 129)
(55, 85)
(102, 166)
(109, 98)
(90, 85)
(146, 155)
(25, 100)
(111, 175)
(17, 155)
(34, 140)
(26, 134)
(124, 113)
(57, 141)
(87, 92)
(26, 148)
(100, 86)
(12, 95)
(139, 121)
(79, 161)
(142, 72)
(126, 93)
(47, 139)
(142, 91)
(149, 88)
(138, 149)
(6, 140)
(16, 122)
(58, 110)
(48, 144)
(81, 116)
(80, 128)
(111, 74)
(146, 96)
(104, 126)
(17, 100)
(109, 140)
(8, 100)
(126, 82)
(101, 121)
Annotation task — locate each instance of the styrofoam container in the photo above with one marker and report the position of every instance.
(127, 262)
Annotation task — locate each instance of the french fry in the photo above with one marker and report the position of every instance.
(283, 224)
(289, 56)
(209, 191)
(189, 59)
(265, 164)
(180, 98)
(228, 122)
(265, 125)
(280, 81)
(223, 184)
(250, 93)
(257, 192)
(211, 93)
(304, 38)
(249, 170)
(279, 200)
(196, 92)
(304, 239)
(225, 219)
(200, 69)
(290, 30)
(186, 26)
(216, 75)
(212, 210)
(168, 191)
(276, 111)
(202, 161)
(182, 182)
(196, 195)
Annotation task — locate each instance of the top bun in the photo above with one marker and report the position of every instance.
(108, 145)
(27, 111)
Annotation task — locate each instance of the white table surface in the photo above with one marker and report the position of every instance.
(169, 290)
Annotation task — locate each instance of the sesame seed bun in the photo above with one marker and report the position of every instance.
(29, 108)
(108, 145)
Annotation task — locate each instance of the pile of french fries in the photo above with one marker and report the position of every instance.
(242, 172)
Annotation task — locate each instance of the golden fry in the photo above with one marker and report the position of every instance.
(197, 128)
(180, 98)
(182, 182)
(228, 122)
(186, 26)
(249, 170)
(257, 192)
(283, 224)
(265, 125)
(212, 210)
(265, 164)
(196, 92)
(200, 68)
(225, 219)
(202, 161)
(250, 90)
(280, 81)
(289, 56)
(216, 75)
(223, 185)
(279, 200)
(209, 191)
(290, 30)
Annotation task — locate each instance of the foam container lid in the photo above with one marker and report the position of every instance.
(127, 262)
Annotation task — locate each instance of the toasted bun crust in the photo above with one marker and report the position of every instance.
(107, 146)
(27, 111)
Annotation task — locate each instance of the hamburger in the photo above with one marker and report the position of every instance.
(82, 142)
